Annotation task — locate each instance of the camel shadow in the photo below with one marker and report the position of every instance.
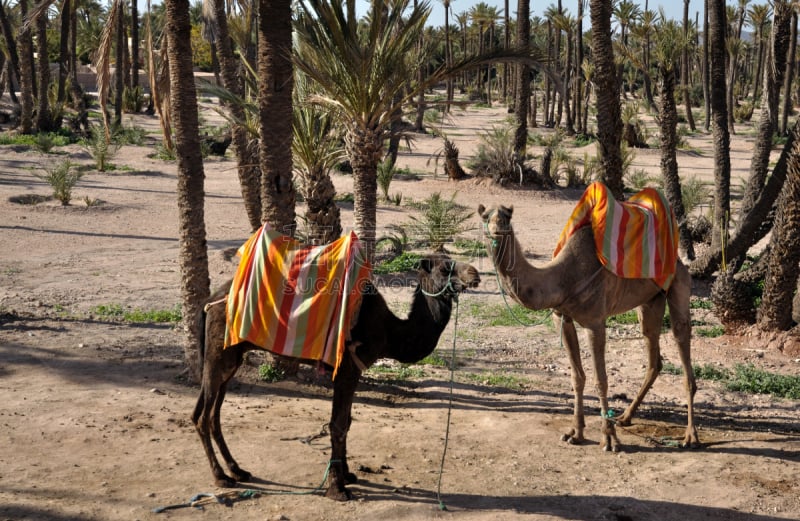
(564, 506)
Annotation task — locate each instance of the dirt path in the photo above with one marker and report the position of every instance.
(95, 417)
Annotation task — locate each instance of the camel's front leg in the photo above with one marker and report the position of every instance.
(597, 337)
(651, 316)
(569, 337)
(344, 387)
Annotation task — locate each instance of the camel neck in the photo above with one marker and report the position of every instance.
(426, 320)
(533, 287)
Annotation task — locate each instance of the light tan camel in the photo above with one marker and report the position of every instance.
(579, 289)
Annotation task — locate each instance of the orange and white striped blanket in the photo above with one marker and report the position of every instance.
(637, 238)
(295, 300)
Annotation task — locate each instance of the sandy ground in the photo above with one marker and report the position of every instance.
(94, 422)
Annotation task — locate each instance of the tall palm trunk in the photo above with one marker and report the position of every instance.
(687, 99)
(578, 63)
(668, 116)
(65, 60)
(26, 67)
(278, 194)
(773, 78)
(134, 43)
(246, 150)
(523, 80)
(706, 69)
(719, 112)
(119, 70)
(191, 217)
(44, 120)
(363, 148)
(789, 76)
(609, 123)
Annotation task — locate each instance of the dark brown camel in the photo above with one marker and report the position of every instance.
(579, 289)
(378, 333)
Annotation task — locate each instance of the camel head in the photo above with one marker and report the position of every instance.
(496, 220)
(441, 275)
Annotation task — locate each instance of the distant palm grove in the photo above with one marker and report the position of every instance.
(307, 87)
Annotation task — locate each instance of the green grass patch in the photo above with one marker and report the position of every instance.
(138, 316)
(745, 378)
(710, 332)
(701, 303)
(406, 261)
(623, 319)
(39, 141)
(471, 247)
(435, 359)
(510, 314)
(504, 380)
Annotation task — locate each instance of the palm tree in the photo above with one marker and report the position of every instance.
(359, 78)
(275, 82)
(244, 145)
(316, 151)
(26, 67)
(44, 122)
(783, 263)
(687, 99)
(448, 52)
(759, 15)
(191, 213)
(609, 123)
(11, 47)
(773, 78)
(719, 114)
(789, 75)
(563, 22)
(670, 47)
(523, 80)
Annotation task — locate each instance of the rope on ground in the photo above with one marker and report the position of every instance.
(449, 410)
(227, 498)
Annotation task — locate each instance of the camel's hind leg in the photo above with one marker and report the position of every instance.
(651, 315)
(218, 368)
(678, 297)
(569, 337)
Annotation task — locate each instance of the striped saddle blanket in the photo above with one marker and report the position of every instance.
(296, 300)
(637, 238)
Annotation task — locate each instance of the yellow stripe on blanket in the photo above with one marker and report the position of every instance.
(637, 238)
(295, 300)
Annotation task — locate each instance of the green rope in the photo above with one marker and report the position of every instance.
(194, 501)
(449, 411)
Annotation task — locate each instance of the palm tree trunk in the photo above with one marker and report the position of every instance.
(706, 69)
(578, 72)
(246, 150)
(135, 43)
(783, 265)
(523, 81)
(65, 59)
(719, 111)
(789, 76)
(668, 116)
(44, 120)
(191, 217)
(609, 123)
(773, 78)
(119, 71)
(687, 99)
(275, 71)
(363, 148)
(26, 67)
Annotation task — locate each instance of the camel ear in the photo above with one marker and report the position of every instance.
(481, 209)
(510, 211)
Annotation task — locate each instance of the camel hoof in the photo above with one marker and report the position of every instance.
(350, 478)
(571, 439)
(338, 494)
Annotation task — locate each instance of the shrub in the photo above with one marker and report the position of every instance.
(441, 221)
(495, 155)
(101, 150)
(62, 178)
